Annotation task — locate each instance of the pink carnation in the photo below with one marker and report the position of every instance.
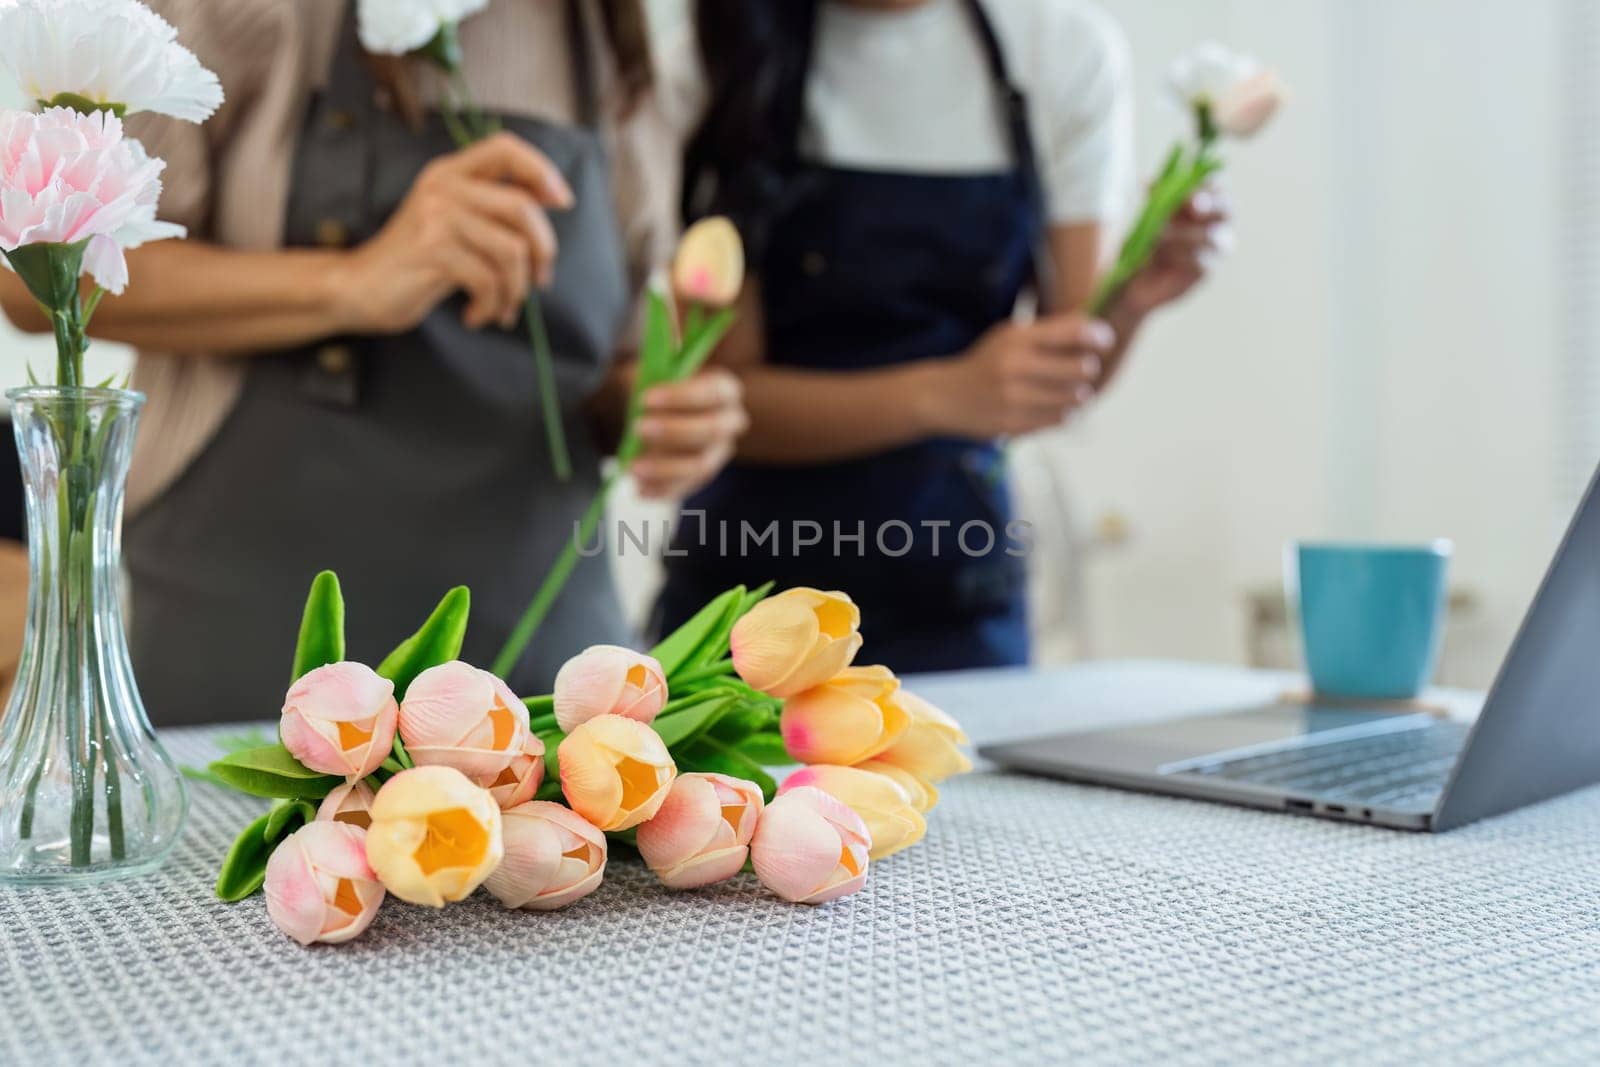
(66, 177)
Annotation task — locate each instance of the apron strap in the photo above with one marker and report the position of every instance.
(1019, 132)
(585, 79)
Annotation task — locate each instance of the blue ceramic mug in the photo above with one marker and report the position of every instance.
(1371, 616)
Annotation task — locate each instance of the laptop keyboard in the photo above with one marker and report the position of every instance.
(1402, 769)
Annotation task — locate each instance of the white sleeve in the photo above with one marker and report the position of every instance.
(680, 81)
(1083, 115)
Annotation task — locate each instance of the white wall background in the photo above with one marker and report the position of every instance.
(1386, 355)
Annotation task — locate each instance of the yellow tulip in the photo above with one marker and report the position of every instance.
(795, 640)
(929, 748)
(434, 835)
(883, 805)
(921, 791)
(615, 771)
(709, 267)
(846, 720)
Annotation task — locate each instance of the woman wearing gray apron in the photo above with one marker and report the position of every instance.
(407, 457)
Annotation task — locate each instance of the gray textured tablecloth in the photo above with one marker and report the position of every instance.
(1038, 922)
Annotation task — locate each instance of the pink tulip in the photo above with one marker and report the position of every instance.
(455, 715)
(1247, 106)
(319, 886)
(340, 719)
(702, 832)
(553, 857)
(520, 780)
(608, 680)
(349, 803)
(810, 848)
(708, 268)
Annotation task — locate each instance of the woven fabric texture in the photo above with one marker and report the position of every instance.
(1038, 922)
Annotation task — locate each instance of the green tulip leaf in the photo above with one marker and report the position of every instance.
(245, 866)
(708, 756)
(686, 725)
(765, 748)
(698, 347)
(703, 638)
(401, 756)
(541, 706)
(270, 771)
(439, 641)
(286, 817)
(742, 720)
(321, 638)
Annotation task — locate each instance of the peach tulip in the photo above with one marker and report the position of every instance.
(810, 848)
(846, 720)
(520, 780)
(608, 680)
(795, 640)
(921, 791)
(349, 803)
(892, 821)
(702, 833)
(340, 719)
(435, 836)
(456, 715)
(615, 772)
(709, 266)
(1246, 107)
(319, 886)
(553, 857)
(928, 749)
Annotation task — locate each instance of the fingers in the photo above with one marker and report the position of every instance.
(1207, 205)
(515, 211)
(1071, 332)
(506, 157)
(510, 263)
(689, 434)
(475, 276)
(661, 476)
(714, 388)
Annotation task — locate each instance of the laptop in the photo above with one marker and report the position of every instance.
(1537, 737)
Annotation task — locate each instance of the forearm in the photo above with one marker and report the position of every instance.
(809, 416)
(194, 298)
(1125, 321)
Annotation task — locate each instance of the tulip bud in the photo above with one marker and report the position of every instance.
(922, 793)
(319, 886)
(455, 715)
(339, 719)
(520, 780)
(809, 848)
(709, 266)
(702, 833)
(434, 836)
(608, 680)
(553, 857)
(1245, 108)
(615, 772)
(795, 640)
(892, 821)
(349, 803)
(928, 748)
(846, 720)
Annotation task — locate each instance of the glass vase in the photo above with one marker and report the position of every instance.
(86, 790)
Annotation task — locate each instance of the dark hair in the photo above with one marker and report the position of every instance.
(755, 54)
(628, 32)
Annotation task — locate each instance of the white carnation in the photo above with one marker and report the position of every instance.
(400, 27)
(114, 53)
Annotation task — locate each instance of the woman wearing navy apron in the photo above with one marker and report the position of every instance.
(905, 170)
(354, 389)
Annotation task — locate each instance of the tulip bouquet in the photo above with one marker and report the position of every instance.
(430, 30)
(426, 777)
(1228, 95)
